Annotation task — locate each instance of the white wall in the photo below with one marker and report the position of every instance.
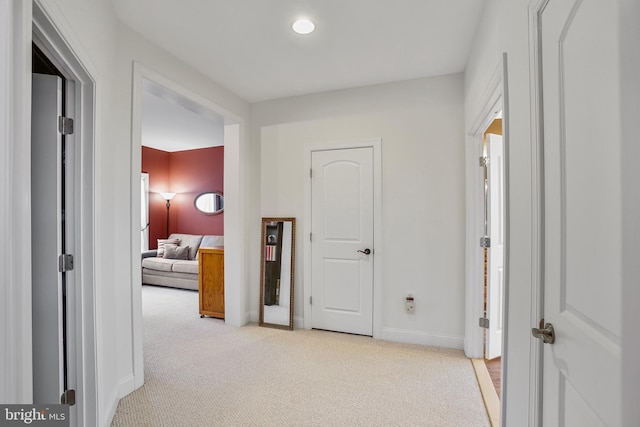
(421, 126)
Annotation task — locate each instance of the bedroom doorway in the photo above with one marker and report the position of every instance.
(232, 135)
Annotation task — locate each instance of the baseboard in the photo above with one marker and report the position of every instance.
(127, 385)
(416, 337)
(111, 409)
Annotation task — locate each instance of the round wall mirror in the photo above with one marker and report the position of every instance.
(210, 203)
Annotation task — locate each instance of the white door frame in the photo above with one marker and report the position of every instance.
(537, 296)
(26, 22)
(16, 374)
(234, 189)
(492, 102)
(376, 145)
(630, 111)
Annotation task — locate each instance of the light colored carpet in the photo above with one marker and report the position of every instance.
(200, 372)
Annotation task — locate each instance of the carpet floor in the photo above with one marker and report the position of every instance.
(201, 372)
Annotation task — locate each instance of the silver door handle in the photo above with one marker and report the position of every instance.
(545, 332)
(366, 251)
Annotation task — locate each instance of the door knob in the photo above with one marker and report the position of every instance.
(366, 251)
(545, 332)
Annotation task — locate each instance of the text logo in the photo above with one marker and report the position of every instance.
(34, 415)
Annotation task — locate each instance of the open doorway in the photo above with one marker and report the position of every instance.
(494, 245)
(52, 184)
(232, 134)
(62, 212)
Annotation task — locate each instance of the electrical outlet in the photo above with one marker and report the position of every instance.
(409, 304)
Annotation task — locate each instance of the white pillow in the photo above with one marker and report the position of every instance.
(163, 242)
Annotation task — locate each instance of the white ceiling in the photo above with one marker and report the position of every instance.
(248, 45)
(171, 122)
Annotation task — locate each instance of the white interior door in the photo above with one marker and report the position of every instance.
(342, 233)
(46, 220)
(582, 213)
(495, 288)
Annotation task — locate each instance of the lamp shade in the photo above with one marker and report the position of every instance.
(167, 196)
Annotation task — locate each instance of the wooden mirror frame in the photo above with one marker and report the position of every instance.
(263, 246)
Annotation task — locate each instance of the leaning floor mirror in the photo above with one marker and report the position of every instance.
(276, 272)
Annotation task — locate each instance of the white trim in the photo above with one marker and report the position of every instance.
(376, 144)
(474, 337)
(507, 233)
(629, 86)
(422, 338)
(490, 106)
(236, 312)
(537, 301)
(110, 411)
(126, 385)
(15, 226)
(136, 267)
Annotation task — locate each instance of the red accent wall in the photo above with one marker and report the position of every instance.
(186, 173)
(193, 172)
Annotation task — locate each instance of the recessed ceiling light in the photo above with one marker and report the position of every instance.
(303, 26)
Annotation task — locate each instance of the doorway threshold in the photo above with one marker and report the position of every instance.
(488, 391)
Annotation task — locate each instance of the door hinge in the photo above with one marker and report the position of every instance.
(484, 323)
(485, 242)
(310, 173)
(311, 300)
(310, 237)
(68, 397)
(65, 125)
(484, 161)
(65, 263)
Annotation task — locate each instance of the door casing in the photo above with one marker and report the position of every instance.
(494, 100)
(376, 144)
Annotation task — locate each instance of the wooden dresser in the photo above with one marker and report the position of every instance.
(211, 281)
